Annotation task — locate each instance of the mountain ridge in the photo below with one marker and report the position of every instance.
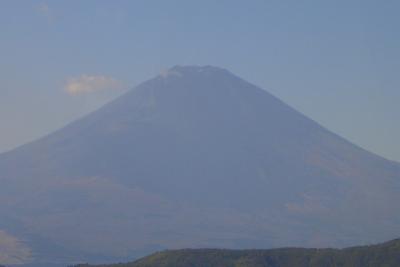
(195, 157)
(176, 70)
(384, 254)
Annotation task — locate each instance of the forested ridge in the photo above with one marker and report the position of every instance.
(381, 255)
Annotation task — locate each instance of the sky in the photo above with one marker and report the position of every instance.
(337, 62)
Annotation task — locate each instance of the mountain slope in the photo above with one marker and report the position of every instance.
(195, 157)
(386, 254)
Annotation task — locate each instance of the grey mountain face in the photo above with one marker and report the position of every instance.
(195, 157)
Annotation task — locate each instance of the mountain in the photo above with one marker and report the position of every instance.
(195, 157)
(382, 255)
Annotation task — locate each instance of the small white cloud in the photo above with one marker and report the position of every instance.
(46, 11)
(13, 250)
(169, 72)
(44, 8)
(86, 84)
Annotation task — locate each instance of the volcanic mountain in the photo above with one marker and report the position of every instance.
(195, 157)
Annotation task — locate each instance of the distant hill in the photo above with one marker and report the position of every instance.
(195, 157)
(382, 255)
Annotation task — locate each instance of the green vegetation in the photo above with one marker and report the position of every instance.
(382, 255)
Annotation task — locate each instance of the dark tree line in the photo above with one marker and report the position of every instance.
(382, 255)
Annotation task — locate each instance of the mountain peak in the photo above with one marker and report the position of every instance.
(196, 157)
(179, 70)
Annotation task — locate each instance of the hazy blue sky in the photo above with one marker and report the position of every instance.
(336, 61)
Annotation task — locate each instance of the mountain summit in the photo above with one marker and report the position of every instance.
(195, 157)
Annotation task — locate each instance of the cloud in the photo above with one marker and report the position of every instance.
(13, 250)
(169, 72)
(46, 11)
(44, 8)
(86, 84)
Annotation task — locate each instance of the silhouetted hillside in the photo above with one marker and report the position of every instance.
(386, 254)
